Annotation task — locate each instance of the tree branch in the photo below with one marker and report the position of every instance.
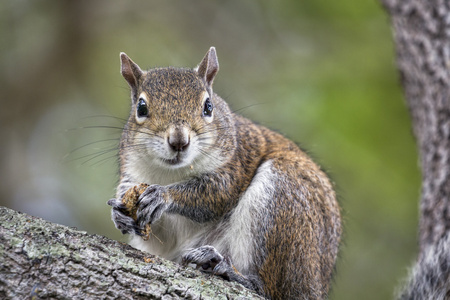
(44, 260)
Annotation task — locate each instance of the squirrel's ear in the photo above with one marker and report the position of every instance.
(208, 67)
(130, 71)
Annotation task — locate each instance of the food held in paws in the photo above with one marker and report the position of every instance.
(130, 200)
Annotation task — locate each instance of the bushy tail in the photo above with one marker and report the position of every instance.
(430, 277)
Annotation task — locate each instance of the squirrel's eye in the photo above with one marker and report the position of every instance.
(142, 109)
(207, 108)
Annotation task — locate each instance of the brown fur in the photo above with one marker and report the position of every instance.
(296, 237)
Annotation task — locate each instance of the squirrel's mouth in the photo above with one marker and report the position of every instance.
(173, 161)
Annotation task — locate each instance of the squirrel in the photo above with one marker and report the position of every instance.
(224, 194)
(430, 276)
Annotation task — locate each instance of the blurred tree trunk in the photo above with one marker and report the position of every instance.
(42, 260)
(422, 37)
(31, 80)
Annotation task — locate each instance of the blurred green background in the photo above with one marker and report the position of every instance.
(321, 72)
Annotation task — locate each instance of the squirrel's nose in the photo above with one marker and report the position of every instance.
(178, 139)
(178, 144)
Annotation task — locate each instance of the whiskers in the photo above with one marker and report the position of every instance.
(98, 149)
(93, 143)
(98, 140)
(99, 152)
(214, 157)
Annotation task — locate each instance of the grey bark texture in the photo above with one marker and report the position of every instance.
(422, 38)
(43, 260)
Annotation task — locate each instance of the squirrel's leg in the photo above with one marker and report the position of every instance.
(208, 259)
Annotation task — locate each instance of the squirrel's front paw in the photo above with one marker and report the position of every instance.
(152, 204)
(121, 219)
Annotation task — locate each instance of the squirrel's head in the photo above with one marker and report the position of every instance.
(176, 120)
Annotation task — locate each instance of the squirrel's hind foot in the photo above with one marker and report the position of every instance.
(209, 260)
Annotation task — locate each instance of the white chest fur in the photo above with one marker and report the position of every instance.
(174, 234)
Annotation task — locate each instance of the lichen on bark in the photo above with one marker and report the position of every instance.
(42, 260)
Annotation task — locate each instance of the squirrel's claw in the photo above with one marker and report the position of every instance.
(123, 222)
(152, 205)
(206, 257)
(117, 204)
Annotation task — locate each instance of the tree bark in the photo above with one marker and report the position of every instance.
(42, 260)
(422, 38)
